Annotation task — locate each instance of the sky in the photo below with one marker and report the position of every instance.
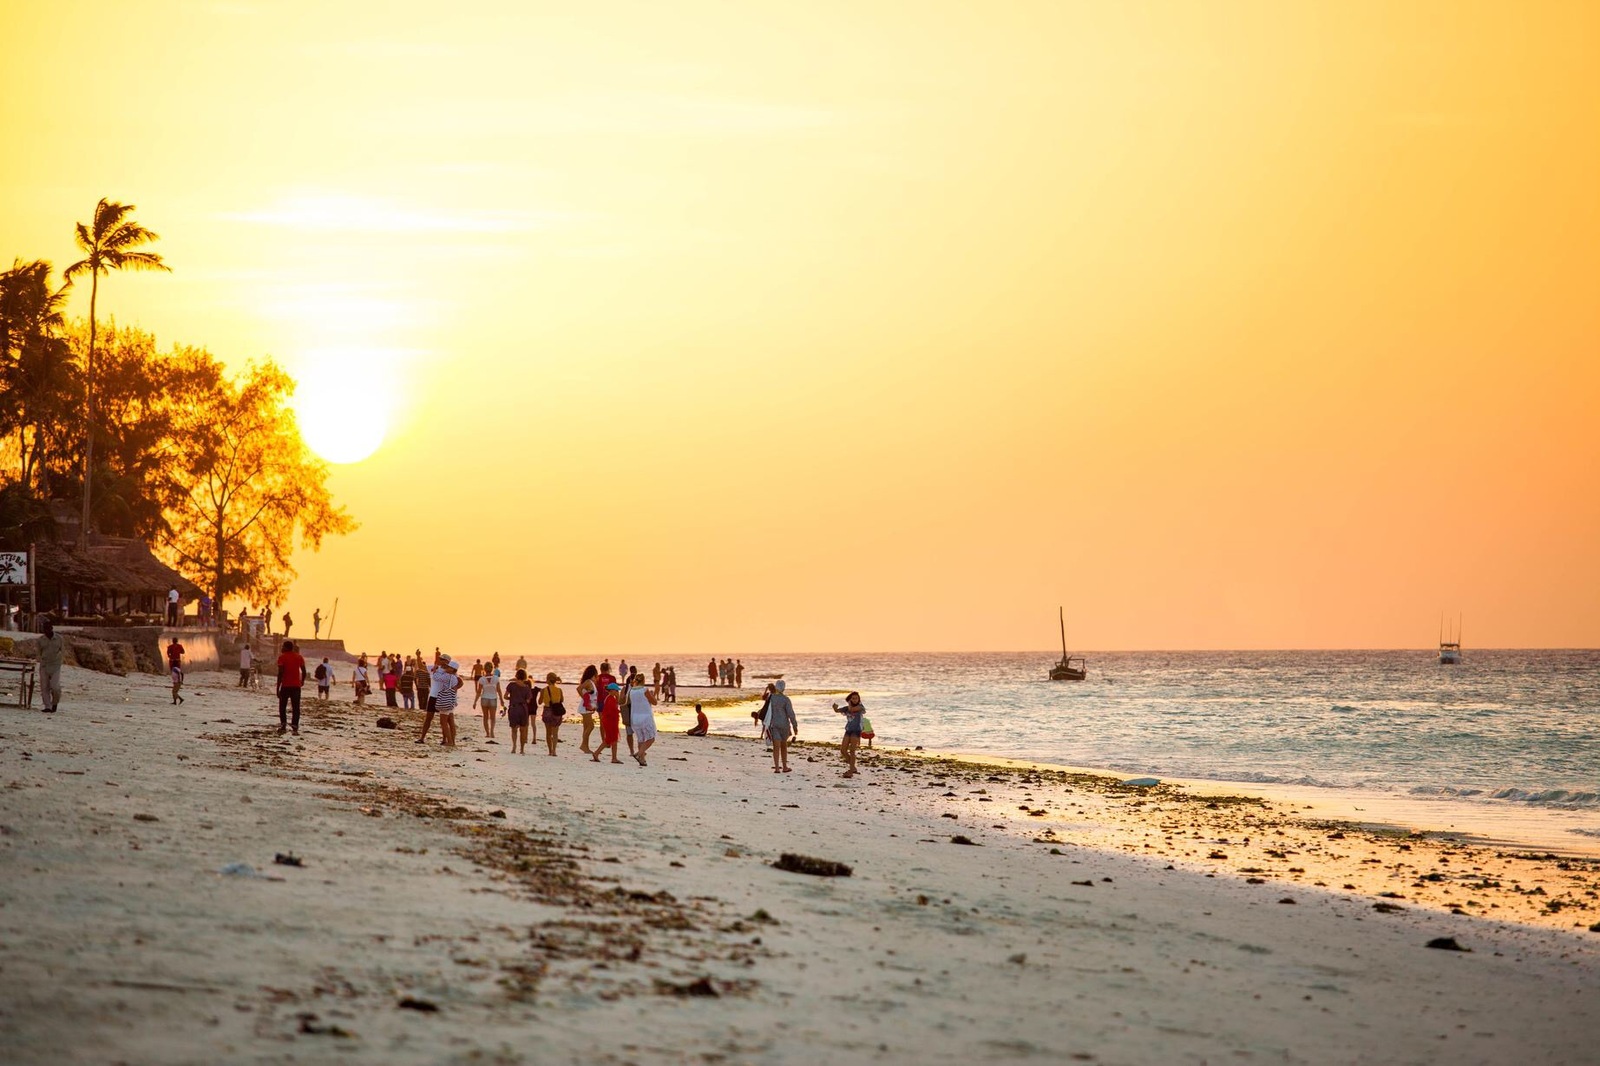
(861, 325)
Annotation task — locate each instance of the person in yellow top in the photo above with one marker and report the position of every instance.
(554, 710)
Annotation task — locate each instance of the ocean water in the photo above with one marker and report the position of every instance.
(1519, 727)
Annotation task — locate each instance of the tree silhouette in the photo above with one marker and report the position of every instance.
(110, 243)
(36, 372)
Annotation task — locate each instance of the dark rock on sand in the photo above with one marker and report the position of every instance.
(1446, 943)
(805, 864)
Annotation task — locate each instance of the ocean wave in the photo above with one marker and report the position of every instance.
(1255, 778)
(1549, 797)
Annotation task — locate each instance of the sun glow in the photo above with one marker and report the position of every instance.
(343, 408)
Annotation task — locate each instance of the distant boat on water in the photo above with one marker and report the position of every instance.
(1071, 667)
(1449, 650)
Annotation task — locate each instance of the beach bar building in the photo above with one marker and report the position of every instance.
(111, 581)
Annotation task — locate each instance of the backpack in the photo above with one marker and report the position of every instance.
(322, 671)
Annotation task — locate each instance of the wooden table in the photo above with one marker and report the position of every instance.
(26, 673)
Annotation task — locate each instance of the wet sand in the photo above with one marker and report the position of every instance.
(476, 906)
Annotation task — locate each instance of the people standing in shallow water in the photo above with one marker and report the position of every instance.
(781, 727)
(854, 713)
(738, 673)
(711, 671)
(519, 705)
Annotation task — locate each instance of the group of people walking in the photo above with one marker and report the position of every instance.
(612, 709)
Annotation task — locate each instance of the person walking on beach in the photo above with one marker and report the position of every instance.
(435, 681)
(390, 679)
(760, 714)
(854, 713)
(324, 679)
(672, 684)
(246, 664)
(552, 699)
(522, 662)
(316, 623)
(288, 624)
(655, 675)
(588, 700)
(52, 649)
(781, 726)
(407, 684)
(361, 681)
(175, 671)
(291, 676)
(445, 702)
(488, 699)
(738, 673)
(643, 728)
(610, 721)
(519, 706)
(702, 724)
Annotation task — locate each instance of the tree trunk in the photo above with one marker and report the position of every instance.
(88, 397)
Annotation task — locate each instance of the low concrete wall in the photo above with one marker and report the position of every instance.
(200, 648)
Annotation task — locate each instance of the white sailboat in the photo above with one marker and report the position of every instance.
(1449, 650)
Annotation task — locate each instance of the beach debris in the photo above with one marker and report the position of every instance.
(1019, 959)
(287, 859)
(309, 1024)
(412, 1003)
(387, 723)
(806, 864)
(1085, 884)
(762, 916)
(1446, 943)
(1595, 928)
(732, 853)
(497, 814)
(244, 869)
(1142, 782)
(146, 818)
(1387, 908)
(959, 839)
(701, 986)
(1288, 900)
(922, 901)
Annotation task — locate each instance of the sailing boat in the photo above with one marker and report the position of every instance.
(1449, 650)
(1070, 668)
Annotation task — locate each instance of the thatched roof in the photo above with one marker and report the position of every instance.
(116, 564)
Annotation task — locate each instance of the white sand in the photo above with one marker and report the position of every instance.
(121, 942)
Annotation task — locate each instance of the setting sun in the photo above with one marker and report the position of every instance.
(343, 404)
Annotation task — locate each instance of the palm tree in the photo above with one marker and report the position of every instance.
(107, 245)
(32, 357)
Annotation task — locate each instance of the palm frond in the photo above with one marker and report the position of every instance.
(111, 259)
(127, 235)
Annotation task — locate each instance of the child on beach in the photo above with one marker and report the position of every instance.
(854, 713)
(177, 682)
(701, 723)
(610, 720)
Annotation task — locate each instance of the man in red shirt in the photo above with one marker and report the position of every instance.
(291, 676)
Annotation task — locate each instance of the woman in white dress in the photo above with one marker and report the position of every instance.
(644, 721)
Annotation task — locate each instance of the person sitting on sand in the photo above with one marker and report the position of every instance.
(853, 712)
(291, 676)
(552, 700)
(610, 720)
(781, 727)
(643, 729)
(519, 705)
(701, 723)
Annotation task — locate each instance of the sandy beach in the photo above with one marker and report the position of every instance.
(473, 906)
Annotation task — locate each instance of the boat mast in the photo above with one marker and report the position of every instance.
(1063, 613)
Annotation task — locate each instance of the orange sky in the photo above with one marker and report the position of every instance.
(878, 326)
